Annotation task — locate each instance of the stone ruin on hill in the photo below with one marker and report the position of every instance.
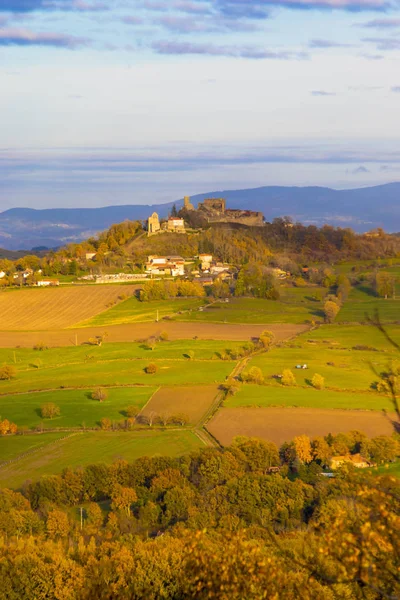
(214, 211)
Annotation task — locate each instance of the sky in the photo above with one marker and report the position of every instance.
(145, 101)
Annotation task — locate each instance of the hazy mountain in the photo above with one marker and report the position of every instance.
(361, 209)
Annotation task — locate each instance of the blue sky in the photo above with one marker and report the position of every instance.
(143, 101)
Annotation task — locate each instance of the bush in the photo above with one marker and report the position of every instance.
(50, 410)
(164, 336)
(151, 369)
(288, 378)
(7, 372)
(132, 412)
(40, 346)
(318, 382)
(100, 394)
(255, 375)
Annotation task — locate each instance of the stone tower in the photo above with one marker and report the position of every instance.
(187, 205)
(153, 224)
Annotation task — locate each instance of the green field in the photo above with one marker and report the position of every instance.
(264, 396)
(295, 306)
(389, 469)
(118, 373)
(87, 448)
(330, 352)
(77, 407)
(134, 311)
(25, 358)
(362, 304)
(12, 446)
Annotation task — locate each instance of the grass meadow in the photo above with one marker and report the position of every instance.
(270, 396)
(77, 407)
(87, 448)
(134, 311)
(362, 304)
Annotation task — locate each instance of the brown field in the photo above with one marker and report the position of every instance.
(55, 308)
(283, 424)
(193, 401)
(137, 331)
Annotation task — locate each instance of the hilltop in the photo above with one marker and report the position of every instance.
(361, 209)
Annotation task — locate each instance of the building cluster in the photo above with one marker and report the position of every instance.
(30, 277)
(203, 267)
(212, 209)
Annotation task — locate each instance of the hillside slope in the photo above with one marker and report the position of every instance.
(361, 209)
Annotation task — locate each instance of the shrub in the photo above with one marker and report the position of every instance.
(132, 412)
(50, 410)
(288, 378)
(299, 282)
(164, 336)
(100, 394)
(40, 346)
(255, 375)
(318, 382)
(7, 372)
(151, 369)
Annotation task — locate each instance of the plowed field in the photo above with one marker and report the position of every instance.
(283, 424)
(192, 401)
(55, 308)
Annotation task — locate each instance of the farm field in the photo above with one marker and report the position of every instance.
(87, 448)
(361, 305)
(194, 402)
(283, 424)
(269, 396)
(118, 373)
(10, 447)
(77, 407)
(134, 311)
(295, 306)
(349, 358)
(37, 309)
(27, 358)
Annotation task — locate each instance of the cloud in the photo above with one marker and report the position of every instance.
(24, 6)
(188, 24)
(383, 43)
(360, 170)
(327, 44)
(24, 37)
(182, 48)
(192, 7)
(259, 8)
(317, 93)
(128, 20)
(382, 24)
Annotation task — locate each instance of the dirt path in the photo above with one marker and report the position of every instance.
(138, 331)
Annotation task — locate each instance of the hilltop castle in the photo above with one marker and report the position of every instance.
(215, 211)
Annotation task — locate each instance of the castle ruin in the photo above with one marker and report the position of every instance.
(215, 211)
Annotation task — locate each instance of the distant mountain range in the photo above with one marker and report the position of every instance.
(361, 209)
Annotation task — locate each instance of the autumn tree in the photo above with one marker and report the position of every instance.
(288, 379)
(57, 524)
(318, 382)
(50, 410)
(100, 394)
(385, 284)
(302, 448)
(7, 372)
(331, 309)
(123, 498)
(7, 428)
(151, 369)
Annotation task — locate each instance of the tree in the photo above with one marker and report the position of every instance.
(331, 310)
(254, 375)
(385, 284)
(164, 418)
(321, 450)
(288, 378)
(105, 423)
(49, 410)
(151, 369)
(123, 498)
(180, 418)
(318, 382)
(132, 411)
(7, 372)
(8, 428)
(100, 394)
(267, 338)
(57, 524)
(94, 515)
(302, 448)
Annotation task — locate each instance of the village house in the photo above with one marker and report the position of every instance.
(176, 225)
(90, 255)
(206, 260)
(48, 283)
(165, 265)
(356, 460)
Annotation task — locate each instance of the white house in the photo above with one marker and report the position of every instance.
(2, 274)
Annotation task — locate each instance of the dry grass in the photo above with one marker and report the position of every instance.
(192, 401)
(283, 424)
(55, 308)
(137, 331)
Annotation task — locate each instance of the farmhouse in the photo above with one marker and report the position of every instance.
(165, 265)
(354, 459)
(206, 260)
(48, 282)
